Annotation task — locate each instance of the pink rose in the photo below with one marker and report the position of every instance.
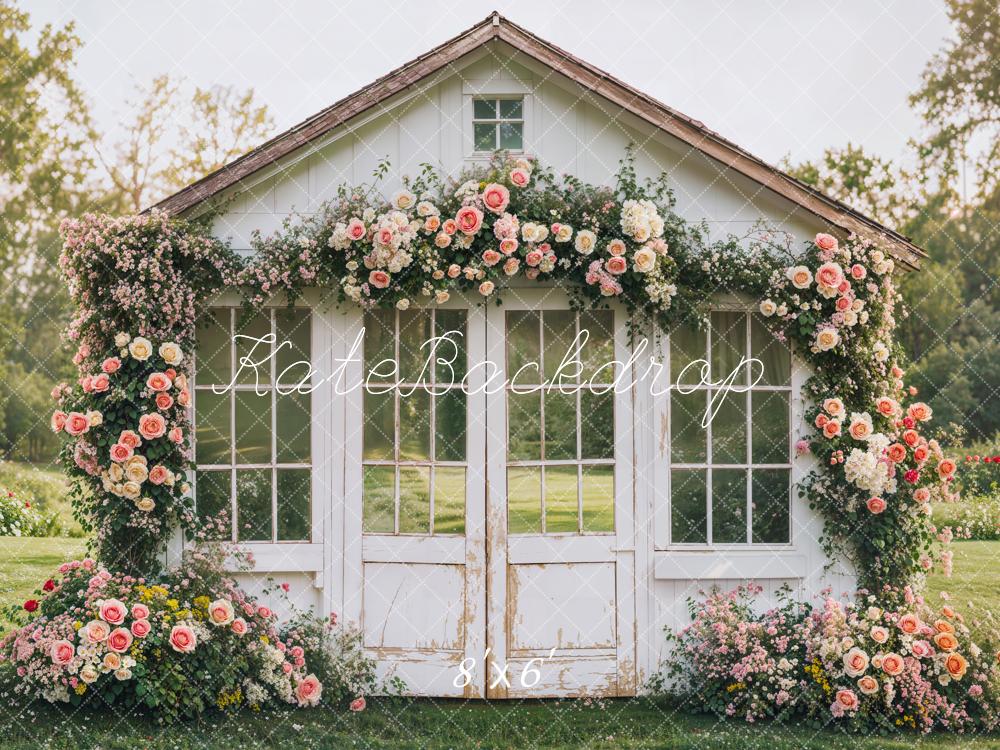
(182, 639)
(469, 219)
(449, 226)
(496, 197)
(184, 397)
(616, 265)
(62, 653)
(97, 631)
(286, 667)
(826, 241)
(358, 705)
(119, 640)
(858, 272)
(87, 383)
(378, 279)
(129, 438)
(152, 426)
(158, 381)
(533, 258)
(111, 365)
(920, 649)
(308, 691)
(876, 505)
(158, 475)
(356, 229)
(491, 257)
(830, 274)
(100, 383)
(264, 612)
(58, 420)
(239, 626)
(140, 628)
(519, 177)
(846, 699)
(508, 246)
(296, 652)
(120, 453)
(140, 611)
(164, 401)
(113, 611)
(76, 423)
(176, 435)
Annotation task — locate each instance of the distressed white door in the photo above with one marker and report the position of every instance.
(414, 511)
(561, 603)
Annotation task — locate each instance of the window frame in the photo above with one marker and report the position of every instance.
(664, 510)
(496, 98)
(274, 466)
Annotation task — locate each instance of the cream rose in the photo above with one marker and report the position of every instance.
(768, 308)
(585, 242)
(140, 348)
(136, 472)
(221, 612)
(855, 662)
(644, 260)
(800, 276)
(89, 674)
(131, 490)
(171, 353)
(146, 504)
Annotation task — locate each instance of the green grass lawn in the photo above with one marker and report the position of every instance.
(45, 487)
(26, 562)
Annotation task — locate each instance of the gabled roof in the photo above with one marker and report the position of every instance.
(496, 27)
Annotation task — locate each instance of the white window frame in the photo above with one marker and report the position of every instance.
(496, 89)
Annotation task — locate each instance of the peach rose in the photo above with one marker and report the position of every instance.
(378, 279)
(947, 611)
(112, 661)
(533, 257)
(164, 401)
(182, 639)
(821, 420)
(158, 381)
(176, 435)
(486, 288)
(911, 437)
(896, 452)
(860, 427)
(855, 662)
(97, 631)
(956, 665)
(140, 348)
(220, 612)
(909, 623)
(943, 626)
(800, 276)
(496, 197)
(119, 640)
(826, 241)
(946, 467)
(920, 411)
(111, 365)
(876, 505)
(508, 246)
(886, 406)
(449, 226)
(129, 438)
(859, 272)
(920, 454)
(469, 219)
(868, 685)
(519, 177)
(158, 474)
(922, 495)
(432, 223)
(76, 423)
(120, 453)
(113, 611)
(140, 611)
(100, 383)
(152, 426)
(616, 265)
(309, 691)
(831, 429)
(491, 257)
(62, 652)
(184, 397)
(264, 612)
(58, 420)
(892, 664)
(140, 628)
(442, 240)
(239, 626)
(830, 275)
(847, 700)
(833, 406)
(946, 641)
(879, 634)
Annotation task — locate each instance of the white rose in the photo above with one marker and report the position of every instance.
(121, 340)
(768, 308)
(89, 673)
(140, 348)
(645, 260)
(564, 234)
(403, 304)
(95, 418)
(171, 353)
(800, 276)
(131, 490)
(146, 504)
(586, 241)
(136, 472)
(827, 339)
(441, 296)
(404, 200)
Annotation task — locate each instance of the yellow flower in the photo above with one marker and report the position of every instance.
(77, 625)
(202, 602)
(81, 688)
(173, 604)
(264, 639)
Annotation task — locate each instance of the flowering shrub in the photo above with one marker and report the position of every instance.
(18, 518)
(180, 644)
(863, 665)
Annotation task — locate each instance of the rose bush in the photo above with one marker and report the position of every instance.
(870, 667)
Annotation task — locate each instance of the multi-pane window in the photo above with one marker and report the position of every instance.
(560, 436)
(414, 444)
(729, 473)
(498, 123)
(252, 440)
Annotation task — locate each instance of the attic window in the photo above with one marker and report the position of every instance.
(498, 123)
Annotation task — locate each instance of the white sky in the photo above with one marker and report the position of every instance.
(779, 77)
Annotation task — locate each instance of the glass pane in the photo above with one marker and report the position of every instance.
(774, 355)
(561, 509)
(449, 500)
(511, 135)
(560, 330)
(560, 426)
(598, 498)
(524, 426)
(769, 506)
(415, 426)
(484, 109)
(380, 345)
(414, 500)
(449, 441)
(687, 436)
(380, 420)
(729, 428)
(729, 506)
(253, 428)
(253, 358)
(451, 323)
(294, 515)
(523, 348)
(379, 499)
(213, 499)
(511, 109)
(414, 332)
(600, 347)
(485, 135)
(293, 342)
(214, 349)
(688, 514)
(212, 428)
(294, 420)
(688, 352)
(597, 424)
(253, 505)
(771, 433)
(729, 343)
(524, 500)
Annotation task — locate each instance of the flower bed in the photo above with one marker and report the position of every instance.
(179, 644)
(871, 667)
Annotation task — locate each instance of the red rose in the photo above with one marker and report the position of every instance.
(49, 585)
(31, 605)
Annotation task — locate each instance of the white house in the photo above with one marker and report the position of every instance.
(482, 554)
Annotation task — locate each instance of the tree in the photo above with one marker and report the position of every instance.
(173, 139)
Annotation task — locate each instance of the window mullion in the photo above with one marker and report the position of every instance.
(274, 431)
(708, 438)
(233, 505)
(749, 434)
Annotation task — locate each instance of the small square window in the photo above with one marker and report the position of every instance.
(498, 124)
